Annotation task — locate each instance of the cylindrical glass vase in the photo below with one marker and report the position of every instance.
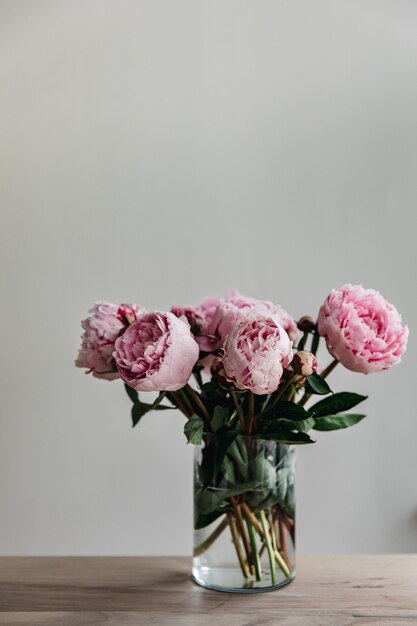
(244, 509)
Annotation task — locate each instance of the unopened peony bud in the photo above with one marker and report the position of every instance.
(304, 363)
(193, 315)
(306, 324)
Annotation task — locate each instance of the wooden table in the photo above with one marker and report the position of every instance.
(328, 591)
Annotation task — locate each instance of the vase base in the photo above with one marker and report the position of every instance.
(232, 581)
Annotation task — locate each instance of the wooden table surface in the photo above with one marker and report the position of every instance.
(328, 591)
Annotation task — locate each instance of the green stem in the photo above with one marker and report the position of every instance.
(265, 402)
(254, 550)
(280, 393)
(251, 412)
(235, 538)
(241, 528)
(302, 342)
(197, 374)
(273, 535)
(315, 342)
(238, 409)
(269, 548)
(292, 393)
(328, 370)
(282, 564)
(194, 395)
(182, 402)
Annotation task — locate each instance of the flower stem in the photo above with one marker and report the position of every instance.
(178, 401)
(269, 548)
(211, 538)
(315, 342)
(302, 342)
(255, 556)
(280, 393)
(272, 531)
(283, 539)
(197, 375)
(194, 395)
(328, 370)
(252, 519)
(251, 412)
(282, 563)
(239, 553)
(238, 409)
(242, 529)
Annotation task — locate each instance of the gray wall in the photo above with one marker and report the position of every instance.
(157, 152)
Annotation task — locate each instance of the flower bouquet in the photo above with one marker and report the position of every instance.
(253, 399)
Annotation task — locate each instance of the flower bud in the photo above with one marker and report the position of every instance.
(192, 314)
(306, 324)
(304, 363)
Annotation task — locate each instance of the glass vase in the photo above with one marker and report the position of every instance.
(244, 506)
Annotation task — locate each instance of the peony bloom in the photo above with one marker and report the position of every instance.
(256, 354)
(101, 330)
(362, 330)
(156, 353)
(193, 315)
(304, 363)
(235, 308)
(208, 308)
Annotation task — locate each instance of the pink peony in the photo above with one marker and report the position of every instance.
(101, 330)
(156, 353)
(256, 354)
(235, 308)
(193, 315)
(208, 308)
(362, 330)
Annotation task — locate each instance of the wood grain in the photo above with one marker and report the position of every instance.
(328, 591)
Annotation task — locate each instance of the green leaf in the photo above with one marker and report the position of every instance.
(220, 418)
(204, 519)
(334, 422)
(132, 393)
(223, 494)
(228, 469)
(238, 455)
(284, 478)
(262, 471)
(214, 453)
(288, 437)
(138, 411)
(209, 500)
(210, 387)
(288, 410)
(305, 425)
(317, 384)
(193, 429)
(342, 401)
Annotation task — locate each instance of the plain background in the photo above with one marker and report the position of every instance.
(159, 151)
